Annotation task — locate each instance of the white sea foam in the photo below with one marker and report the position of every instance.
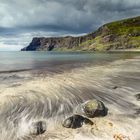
(54, 97)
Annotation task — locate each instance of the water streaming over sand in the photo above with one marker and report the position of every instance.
(51, 94)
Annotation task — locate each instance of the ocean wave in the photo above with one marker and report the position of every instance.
(54, 97)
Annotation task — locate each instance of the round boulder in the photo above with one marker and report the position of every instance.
(92, 108)
(76, 121)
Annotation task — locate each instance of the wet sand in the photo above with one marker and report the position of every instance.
(52, 96)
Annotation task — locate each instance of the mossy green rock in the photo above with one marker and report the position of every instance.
(92, 108)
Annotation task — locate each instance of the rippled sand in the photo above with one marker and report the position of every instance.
(50, 96)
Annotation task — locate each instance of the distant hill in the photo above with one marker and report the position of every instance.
(123, 34)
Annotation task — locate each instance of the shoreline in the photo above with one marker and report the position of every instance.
(125, 50)
(53, 97)
(88, 51)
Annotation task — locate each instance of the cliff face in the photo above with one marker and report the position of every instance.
(122, 34)
(57, 43)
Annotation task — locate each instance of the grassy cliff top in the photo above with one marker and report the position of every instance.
(126, 26)
(123, 34)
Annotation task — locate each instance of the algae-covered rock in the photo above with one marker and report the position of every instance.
(92, 108)
(76, 121)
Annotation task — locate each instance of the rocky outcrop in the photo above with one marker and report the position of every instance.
(92, 108)
(76, 121)
(56, 43)
(124, 34)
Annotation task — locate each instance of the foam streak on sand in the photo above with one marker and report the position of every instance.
(53, 97)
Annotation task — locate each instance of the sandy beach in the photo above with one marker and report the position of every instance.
(52, 96)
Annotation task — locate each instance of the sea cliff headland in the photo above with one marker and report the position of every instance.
(118, 35)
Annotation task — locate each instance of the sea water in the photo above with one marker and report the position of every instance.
(11, 61)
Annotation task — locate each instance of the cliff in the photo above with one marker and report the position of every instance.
(124, 34)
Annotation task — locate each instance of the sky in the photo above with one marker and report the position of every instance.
(21, 20)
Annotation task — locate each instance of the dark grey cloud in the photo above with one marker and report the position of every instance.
(22, 18)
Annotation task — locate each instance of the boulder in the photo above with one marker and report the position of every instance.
(76, 121)
(92, 108)
(38, 128)
(137, 96)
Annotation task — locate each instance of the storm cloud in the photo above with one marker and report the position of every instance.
(23, 19)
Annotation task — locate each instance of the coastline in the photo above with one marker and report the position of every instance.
(41, 97)
(125, 50)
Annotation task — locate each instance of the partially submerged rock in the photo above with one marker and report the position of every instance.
(76, 121)
(38, 128)
(137, 96)
(92, 108)
(114, 87)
